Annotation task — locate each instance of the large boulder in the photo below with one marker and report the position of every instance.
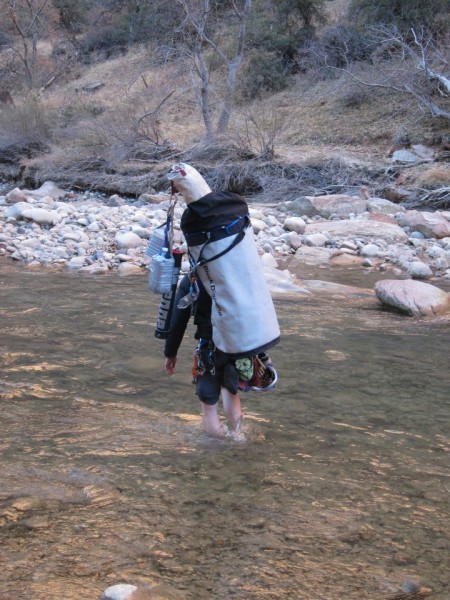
(359, 228)
(340, 205)
(430, 224)
(47, 189)
(383, 206)
(412, 297)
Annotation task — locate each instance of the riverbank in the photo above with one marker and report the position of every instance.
(92, 233)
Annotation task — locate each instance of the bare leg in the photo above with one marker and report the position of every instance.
(211, 421)
(232, 406)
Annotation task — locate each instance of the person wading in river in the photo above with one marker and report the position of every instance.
(208, 372)
(225, 265)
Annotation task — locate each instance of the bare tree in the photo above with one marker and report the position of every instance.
(196, 24)
(411, 64)
(26, 20)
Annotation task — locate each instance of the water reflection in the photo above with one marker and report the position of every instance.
(341, 490)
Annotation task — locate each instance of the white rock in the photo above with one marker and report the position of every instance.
(419, 270)
(127, 268)
(94, 226)
(296, 224)
(258, 225)
(268, 260)
(294, 240)
(15, 211)
(385, 207)
(47, 189)
(272, 220)
(16, 195)
(413, 297)
(316, 239)
(370, 250)
(75, 263)
(128, 240)
(41, 216)
(122, 591)
(256, 214)
(95, 269)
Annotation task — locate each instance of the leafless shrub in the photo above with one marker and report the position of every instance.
(25, 128)
(276, 182)
(258, 130)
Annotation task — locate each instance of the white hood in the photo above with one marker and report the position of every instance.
(188, 182)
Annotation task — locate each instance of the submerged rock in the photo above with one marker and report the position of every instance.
(414, 298)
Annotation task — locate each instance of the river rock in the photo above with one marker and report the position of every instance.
(294, 240)
(316, 239)
(124, 591)
(15, 195)
(41, 216)
(430, 224)
(370, 250)
(121, 591)
(128, 240)
(301, 206)
(15, 211)
(296, 224)
(258, 225)
(419, 270)
(404, 156)
(282, 281)
(313, 255)
(345, 260)
(381, 205)
(359, 228)
(414, 298)
(340, 205)
(128, 268)
(47, 189)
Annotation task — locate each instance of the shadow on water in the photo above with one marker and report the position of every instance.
(340, 491)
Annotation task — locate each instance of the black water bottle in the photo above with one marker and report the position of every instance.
(167, 300)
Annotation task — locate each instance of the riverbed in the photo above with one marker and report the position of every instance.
(338, 489)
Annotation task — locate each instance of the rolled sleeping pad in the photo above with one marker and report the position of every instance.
(167, 301)
(243, 315)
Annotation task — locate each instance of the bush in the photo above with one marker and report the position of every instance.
(264, 72)
(337, 48)
(26, 129)
(402, 13)
(106, 40)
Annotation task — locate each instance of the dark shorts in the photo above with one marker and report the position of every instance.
(207, 388)
(208, 385)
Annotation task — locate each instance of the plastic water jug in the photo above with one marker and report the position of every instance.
(162, 270)
(156, 242)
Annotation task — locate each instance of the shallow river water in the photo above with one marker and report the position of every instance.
(339, 491)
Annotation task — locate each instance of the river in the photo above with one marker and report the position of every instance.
(339, 491)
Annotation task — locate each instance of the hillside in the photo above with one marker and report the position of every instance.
(117, 124)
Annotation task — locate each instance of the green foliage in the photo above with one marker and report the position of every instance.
(107, 39)
(72, 14)
(264, 72)
(306, 12)
(402, 13)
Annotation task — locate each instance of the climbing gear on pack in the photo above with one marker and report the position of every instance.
(192, 295)
(244, 368)
(203, 358)
(264, 376)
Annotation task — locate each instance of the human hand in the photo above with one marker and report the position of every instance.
(169, 365)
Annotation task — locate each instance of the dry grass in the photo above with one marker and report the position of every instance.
(326, 135)
(433, 177)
